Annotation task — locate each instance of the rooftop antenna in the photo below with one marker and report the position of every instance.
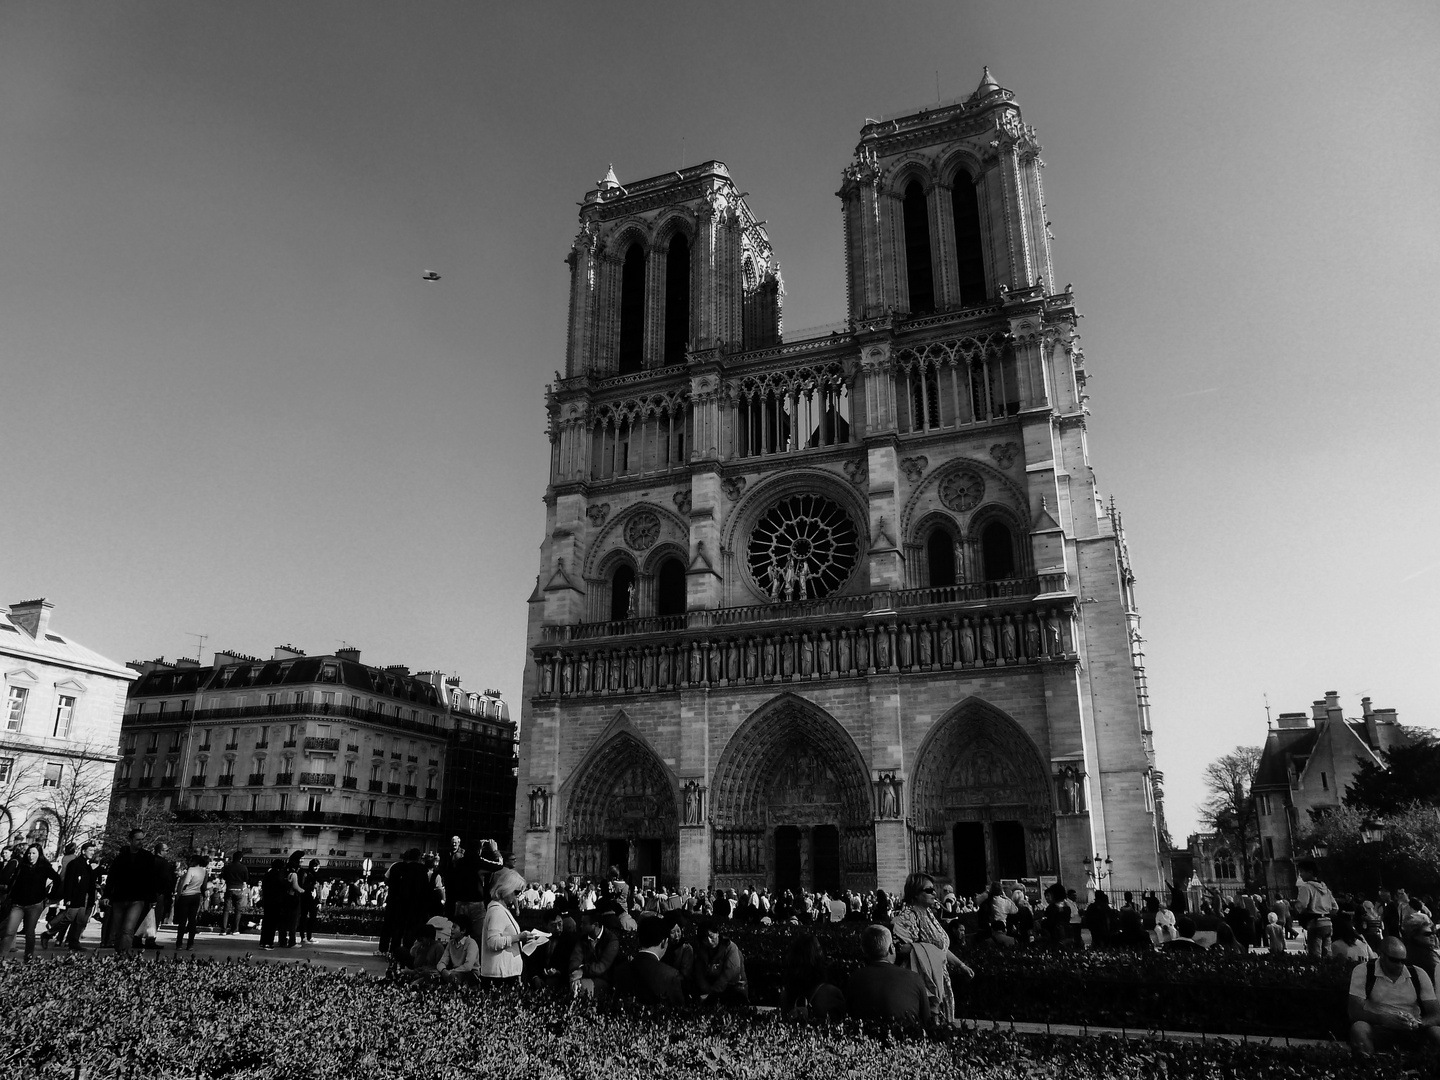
(937, 86)
(1267, 709)
(682, 152)
(199, 645)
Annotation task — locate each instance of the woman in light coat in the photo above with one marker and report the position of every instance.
(501, 962)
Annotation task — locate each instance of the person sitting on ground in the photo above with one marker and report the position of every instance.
(1348, 944)
(807, 992)
(460, 965)
(428, 950)
(1165, 931)
(593, 958)
(1419, 937)
(1184, 939)
(680, 954)
(647, 978)
(546, 964)
(1020, 925)
(881, 990)
(1392, 1003)
(720, 969)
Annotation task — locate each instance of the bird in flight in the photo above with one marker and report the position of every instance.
(430, 275)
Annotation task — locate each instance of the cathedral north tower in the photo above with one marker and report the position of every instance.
(816, 613)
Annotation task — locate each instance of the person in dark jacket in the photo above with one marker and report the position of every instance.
(881, 991)
(130, 888)
(29, 893)
(309, 900)
(294, 899)
(406, 904)
(647, 978)
(236, 877)
(77, 898)
(274, 903)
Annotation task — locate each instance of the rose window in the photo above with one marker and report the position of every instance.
(803, 547)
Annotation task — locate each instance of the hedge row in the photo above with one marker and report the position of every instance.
(100, 1016)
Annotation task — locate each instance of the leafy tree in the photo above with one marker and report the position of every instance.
(16, 795)
(1407, 856)
(1228, 807)
(186, 833)
(1410, 775)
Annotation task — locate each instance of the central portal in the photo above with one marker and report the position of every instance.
(792, 807)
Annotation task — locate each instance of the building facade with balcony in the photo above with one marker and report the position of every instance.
(819, 612)
(1309, 761)
(61, 728)
(318, 753)
(478, 798)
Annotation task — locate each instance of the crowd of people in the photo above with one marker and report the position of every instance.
(455, 917)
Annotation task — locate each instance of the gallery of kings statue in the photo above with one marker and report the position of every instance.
(817, 613)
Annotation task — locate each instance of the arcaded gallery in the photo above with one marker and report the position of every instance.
(817, 612)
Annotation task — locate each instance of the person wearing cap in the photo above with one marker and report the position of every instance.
(1392, 1002)
(647, 978)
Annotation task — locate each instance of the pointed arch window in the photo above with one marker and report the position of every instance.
(940, 557)
(622, 585)
(969, 256)
(677, 300)
(917, 249)
(670, 588)
(997, 551)
(632, 310)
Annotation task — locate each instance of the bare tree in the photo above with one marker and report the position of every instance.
(17, 792)
(78, 803)
(1228, 807)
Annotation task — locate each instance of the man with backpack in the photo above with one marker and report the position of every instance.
(1392, 1002)
(1314, 907)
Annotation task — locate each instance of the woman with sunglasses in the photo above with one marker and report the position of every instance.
(922, 944)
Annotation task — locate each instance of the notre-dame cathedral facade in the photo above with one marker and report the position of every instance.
(817, 613)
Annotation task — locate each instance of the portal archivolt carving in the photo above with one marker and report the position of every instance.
(978, 764)
(625, 793)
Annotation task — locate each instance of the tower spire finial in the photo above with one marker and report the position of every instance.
(987, 83)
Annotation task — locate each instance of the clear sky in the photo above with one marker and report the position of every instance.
(230, 405)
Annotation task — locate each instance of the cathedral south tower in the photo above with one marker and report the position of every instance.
(818, 613)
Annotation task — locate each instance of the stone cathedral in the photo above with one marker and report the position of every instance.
(817, 613)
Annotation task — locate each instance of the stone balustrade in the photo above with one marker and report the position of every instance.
(914, 631)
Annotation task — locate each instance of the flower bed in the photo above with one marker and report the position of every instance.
(99, 1016)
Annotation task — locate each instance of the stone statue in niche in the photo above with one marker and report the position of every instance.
(547, 676)
(630, 601)
(613, 663)
(889, 795)
(844, 650)
(791, 578)
(807, 655)
(632, 671)
(1070, 790)
(987, 641)
(732, 661)
(882, 649)
(769, 658)
(567, 676)
(906, 650)
(696, 659)
(787, 656)
(539, 808)
(1007, 640)
(822, 653)
(694, 802)
(662, 667)
(752, 658)
(1032, 637)
(1053, 640)
(947, 643)
(927, 656)
(584, 680)
(967, 644)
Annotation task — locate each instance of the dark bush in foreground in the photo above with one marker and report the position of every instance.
(98, 1016)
